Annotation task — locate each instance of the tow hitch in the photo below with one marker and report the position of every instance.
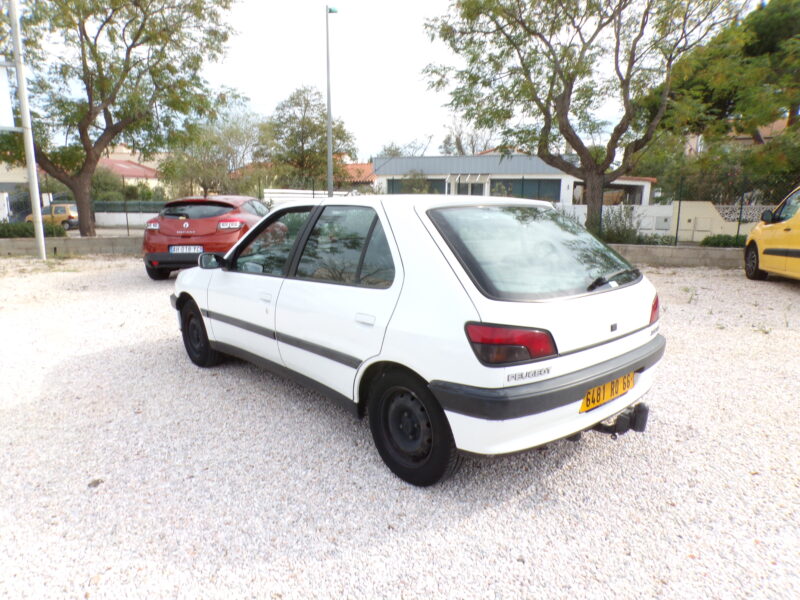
(633, 417)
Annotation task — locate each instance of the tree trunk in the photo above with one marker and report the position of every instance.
(593, 196)
(82, 190)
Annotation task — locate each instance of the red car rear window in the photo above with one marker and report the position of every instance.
(195, 210)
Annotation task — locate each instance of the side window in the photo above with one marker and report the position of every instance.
(789, 207)
(268, 252)
(61, 210)
(335, 250)
(377, 268)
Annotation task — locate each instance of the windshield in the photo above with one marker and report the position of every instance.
(529, 252)
(195, 210)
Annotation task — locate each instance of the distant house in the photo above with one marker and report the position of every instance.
(356, 174)
(132, 173)
(491, 174)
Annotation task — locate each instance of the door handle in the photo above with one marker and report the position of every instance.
(788, 229)
(365, 319)
(266, 298)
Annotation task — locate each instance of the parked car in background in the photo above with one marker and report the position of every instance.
(186, 227)
(457, 324)
(58, 213)
(773, 246)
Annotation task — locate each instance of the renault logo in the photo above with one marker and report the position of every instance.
(186, 224)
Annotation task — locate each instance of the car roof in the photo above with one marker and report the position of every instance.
(418, 202)
(232, 200)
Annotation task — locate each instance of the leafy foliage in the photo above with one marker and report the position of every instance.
(724, 241)
(295, 141)
(25, 230)
(215, 156)
(126, 69)
(540, 71)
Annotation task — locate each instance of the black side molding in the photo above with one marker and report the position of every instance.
(499, 404)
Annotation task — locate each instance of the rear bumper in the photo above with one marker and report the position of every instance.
(498, 421)
(170, 260)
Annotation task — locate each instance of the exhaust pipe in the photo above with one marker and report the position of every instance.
(633, 417)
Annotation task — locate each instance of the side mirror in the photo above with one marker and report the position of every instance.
(209, 260)
(766, 216)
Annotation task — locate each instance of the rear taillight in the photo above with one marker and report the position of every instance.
(230, 225)
(152, 225)
(499, 345)
(654, 311)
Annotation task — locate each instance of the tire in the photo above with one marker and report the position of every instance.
(65, 225)
(410, 430)
(157, 274)
(195, 338)
(751, 269)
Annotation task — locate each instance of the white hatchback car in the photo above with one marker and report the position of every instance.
(458, 324)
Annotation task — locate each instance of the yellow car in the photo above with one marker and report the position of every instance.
(773, 245)
(62, 214)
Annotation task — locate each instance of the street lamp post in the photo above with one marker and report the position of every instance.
(26, 129)
(328, 11)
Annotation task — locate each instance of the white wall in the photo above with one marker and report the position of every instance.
(117, 219)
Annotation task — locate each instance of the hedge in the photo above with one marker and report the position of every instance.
(724, 241)
(25, 230)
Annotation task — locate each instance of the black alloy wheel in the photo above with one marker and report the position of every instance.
(410, 430)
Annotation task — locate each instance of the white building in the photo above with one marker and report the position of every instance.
(492, 174)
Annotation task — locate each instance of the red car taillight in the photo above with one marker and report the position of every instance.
(654, 311)
(497, 345)
(152, 225)
(230, 225)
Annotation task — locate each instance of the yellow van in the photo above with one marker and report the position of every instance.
(773, 245)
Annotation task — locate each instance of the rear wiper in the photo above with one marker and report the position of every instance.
(604, 279)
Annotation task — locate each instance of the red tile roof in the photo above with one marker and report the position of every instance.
(128, 168)
(358, 173)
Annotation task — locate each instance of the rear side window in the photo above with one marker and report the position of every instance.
(195, 210)
(347, 245)
(528, 252)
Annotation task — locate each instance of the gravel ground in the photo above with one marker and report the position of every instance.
(125, 471)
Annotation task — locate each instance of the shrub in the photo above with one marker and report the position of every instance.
(25, 230)
(655, 239)
(619, 226)
(724, 241)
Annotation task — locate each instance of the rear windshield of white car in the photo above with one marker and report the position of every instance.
(195, 210)
(528, 252)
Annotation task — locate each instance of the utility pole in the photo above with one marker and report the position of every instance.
(26, 129)
(328, 11)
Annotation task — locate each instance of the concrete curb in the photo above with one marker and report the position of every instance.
(657, 256)
(682, 256)
(68, 246)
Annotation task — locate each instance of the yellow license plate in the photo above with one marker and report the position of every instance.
(606, 392)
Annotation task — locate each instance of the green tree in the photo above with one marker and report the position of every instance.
(215, 156)
(294, 141)
(113, 68)
(412, 148)
(463, 141)
(541, 72)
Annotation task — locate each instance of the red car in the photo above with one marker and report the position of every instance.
(188, 226)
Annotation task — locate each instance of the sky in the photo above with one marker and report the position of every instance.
(378, 49)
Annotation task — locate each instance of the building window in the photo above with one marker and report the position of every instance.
(470, 189)
(414, 185)
(534, 189)
(612, 194)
